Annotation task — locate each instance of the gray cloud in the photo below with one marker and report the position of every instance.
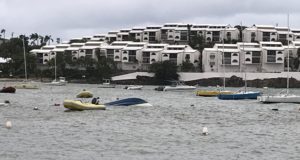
(75, 18)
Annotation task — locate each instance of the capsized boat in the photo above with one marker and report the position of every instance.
(212, 93)
(78, 105)
(239, 95)
(8, 90)
(129, 102)
(134, 87)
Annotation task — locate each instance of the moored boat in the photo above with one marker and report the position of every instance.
(239, 95)
(178, 86)
(212, 93)
(78, 105)
(26, 86)
(133, 87)
(8, 90)
(61, 82)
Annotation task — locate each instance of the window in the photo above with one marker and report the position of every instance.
(170, 36)
(117, 51)
(53, 53)
(234, 54)
(208, 33)
(208, 39)
(125, 58)
(46, 60)
(153, 54)
(279, 52)
(124, 52)
(271, 56)
(81, 51)
(212, 56)
(145, 38)
(152, 60)
(248, 60)
(227, 58)
(165, 55)
(137, 34)
(187, 57)
(248, 53)
(74, 58)
(146, 33)
(279, 59)
(212, 64)
(273, 39)
(46, 54)
(234, 61)
(255, 57)
(117, 57)
(177, 37)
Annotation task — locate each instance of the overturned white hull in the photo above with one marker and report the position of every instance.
(133, 87)
(279, 99)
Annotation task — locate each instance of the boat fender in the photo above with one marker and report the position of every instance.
(8, 124)
(204, 131)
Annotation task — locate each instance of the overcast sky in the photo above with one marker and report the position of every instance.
(76, 18)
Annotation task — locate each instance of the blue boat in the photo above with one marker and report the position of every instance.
(239, 95)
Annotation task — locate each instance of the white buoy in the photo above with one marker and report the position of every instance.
(204, 131)
(35, 108)
(8, 124)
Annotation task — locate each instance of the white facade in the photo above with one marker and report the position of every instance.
(245, 57)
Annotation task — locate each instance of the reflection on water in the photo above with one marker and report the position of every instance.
(172, 129)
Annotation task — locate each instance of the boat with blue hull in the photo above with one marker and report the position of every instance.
(239, 95)
(129, 102)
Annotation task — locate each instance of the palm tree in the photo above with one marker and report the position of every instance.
(3, 32)
(48, 39)
(34, 37)
(41, 40)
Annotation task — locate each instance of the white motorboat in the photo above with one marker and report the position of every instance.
(283, 98)
(134, 87)
(178, 86)
(61, 82)
(106, 84)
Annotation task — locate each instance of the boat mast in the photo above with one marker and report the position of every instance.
(55, 66)
(288, 56)
(244, 55)
(224, 79)
(24, 57)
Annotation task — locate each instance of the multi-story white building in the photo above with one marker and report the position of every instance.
(74, 51)
(91, 49)
(180, 53)
(244, 57)
(168, 33)
(221, 58)
(44, 54)
(152, 34)
(136, 34)
(132, 55)
(259, 33)
(152, 54)
(114, 51)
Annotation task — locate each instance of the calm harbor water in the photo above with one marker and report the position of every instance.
(171, 129)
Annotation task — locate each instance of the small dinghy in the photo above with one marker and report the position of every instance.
(8, 90)
(78, 105)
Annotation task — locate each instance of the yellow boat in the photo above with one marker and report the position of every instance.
(208, 93)
(78, 105)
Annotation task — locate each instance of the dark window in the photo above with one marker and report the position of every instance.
(117, 57)
(271, 56)
(153, 54)
(125, 58)
(248, 59)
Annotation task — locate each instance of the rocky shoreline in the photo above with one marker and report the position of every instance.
(233, 81)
